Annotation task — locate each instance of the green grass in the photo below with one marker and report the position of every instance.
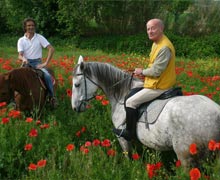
(64, 124)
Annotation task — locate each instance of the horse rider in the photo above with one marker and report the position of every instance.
(30, 53)
(160, 76)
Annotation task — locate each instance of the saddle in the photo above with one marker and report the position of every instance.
(40, 76)
(153, 108)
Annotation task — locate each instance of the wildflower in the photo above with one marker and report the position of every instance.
(193, 149)
(178, 163)
(217, 146)
(99, 97)
(38, 122)
(105, 102)
(32, 166)
(28, 147)
(70, 147)
(2, 104)
(69, 92)
(96, 142)
(111, 152)
(78, 133)
(211, 145)
(88, 143)
(83, 129)
(14, 114)
(41, 163)
(44, 126)
(194, 174)
(29, 119)
(152, 168)
(135, 156)
(106, 143)
(5, 120)
(84, 149)
(33, 133)
(190, 73)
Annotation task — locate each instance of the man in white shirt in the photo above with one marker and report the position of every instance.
(30, 53)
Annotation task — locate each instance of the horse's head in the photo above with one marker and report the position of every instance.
(5, 95)
(83, 86)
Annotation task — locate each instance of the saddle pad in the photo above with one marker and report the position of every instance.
(154, 109)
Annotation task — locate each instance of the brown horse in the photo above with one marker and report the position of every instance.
(24, 87)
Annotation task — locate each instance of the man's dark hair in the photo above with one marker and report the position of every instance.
(27, 20)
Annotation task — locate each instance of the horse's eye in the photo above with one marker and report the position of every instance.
(77, 85)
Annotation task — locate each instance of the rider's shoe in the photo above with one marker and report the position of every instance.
(53, 102)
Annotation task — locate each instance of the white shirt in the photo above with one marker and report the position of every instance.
(32, 49)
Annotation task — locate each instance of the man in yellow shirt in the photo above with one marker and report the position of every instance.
(160, 76)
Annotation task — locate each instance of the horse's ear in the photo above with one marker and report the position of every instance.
(80, 60)
(82, 66)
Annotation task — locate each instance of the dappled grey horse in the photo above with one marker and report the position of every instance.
(183, 120)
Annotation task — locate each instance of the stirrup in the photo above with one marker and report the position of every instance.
(118, 136)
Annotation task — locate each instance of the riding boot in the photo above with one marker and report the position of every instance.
(131, 119)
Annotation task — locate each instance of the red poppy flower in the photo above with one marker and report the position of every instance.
(105, 102)
(194, 174)
(150, 168)
(33, 133)
(96, 142)
(29, 119)
(38, 122)
(211, 145)
(70, 147)
(135, 156)
(99, 97)
(83, 129)
(111, 152)
(2, 104)
(193, 149)
(69, 92)
(28, 147)
(5, 120)
(106, 143)
(32, 166)
(42, 163)
(44, 126)
(84, 150)
(178, 163)
(14, 114)
(78, 133)
(88, 143)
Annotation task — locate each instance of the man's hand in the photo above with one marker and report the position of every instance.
(39, 66)
(138, 71)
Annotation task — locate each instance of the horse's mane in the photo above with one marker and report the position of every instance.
(118, 81)
(22, 79)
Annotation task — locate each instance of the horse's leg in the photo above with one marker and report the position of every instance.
(17, 99)
(183, 154)
(126, 147)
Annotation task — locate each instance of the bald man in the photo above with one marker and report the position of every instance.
(160, 76)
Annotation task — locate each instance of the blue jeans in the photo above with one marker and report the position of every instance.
(47, 77)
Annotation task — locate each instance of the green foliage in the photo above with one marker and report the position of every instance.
(188, 47)
(88, 18)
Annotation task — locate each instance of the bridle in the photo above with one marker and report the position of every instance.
(86, 99)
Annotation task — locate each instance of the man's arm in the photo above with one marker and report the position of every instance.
(159, 64)
(49, 56)
(22, 58)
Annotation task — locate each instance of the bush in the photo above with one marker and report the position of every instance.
(188, 47)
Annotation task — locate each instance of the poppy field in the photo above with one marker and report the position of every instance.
(63, 144)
